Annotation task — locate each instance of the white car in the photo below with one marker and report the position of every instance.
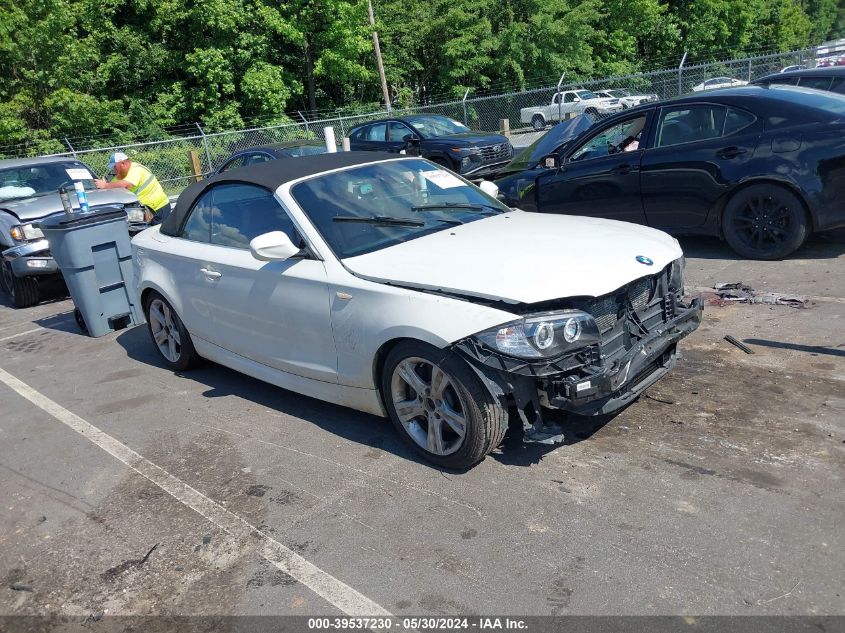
(627, 99)
(719, 82)
(395, 287)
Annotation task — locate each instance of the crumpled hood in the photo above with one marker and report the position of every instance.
(520, 257)
(37, 207)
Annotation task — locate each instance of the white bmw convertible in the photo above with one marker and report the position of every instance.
(390, 285)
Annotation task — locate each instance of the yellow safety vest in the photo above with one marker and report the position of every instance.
(146, 187)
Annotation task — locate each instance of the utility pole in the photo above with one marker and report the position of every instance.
(378, 55)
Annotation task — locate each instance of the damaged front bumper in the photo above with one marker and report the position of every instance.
(586, 382)
(30, 259)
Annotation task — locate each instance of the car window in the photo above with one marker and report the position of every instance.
(687, 124)
(397, 131)
(838, 84)
(232, 214)
(737, 120)
(303, 150)
(376, 132)
(792, 81)
(254, 159)
(818, 83)
(197, 227)
(364, 209)
(569, 97)
(43, 178)
(233, 164)
(240, 212)
(622, 137)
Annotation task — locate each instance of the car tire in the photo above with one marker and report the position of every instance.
(538, 122)
(592, 112)
(23, 291)
(439, 405)
(765, 221)
(168, 334)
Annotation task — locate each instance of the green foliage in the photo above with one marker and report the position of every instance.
(116, 70)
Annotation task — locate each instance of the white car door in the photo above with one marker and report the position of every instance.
(274, 313)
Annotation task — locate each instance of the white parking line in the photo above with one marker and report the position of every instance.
(6, 338)
(320, 582)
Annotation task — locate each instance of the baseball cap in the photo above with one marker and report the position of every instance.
(116, 158)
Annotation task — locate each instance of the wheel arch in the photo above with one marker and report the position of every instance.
(788, 185)
(384, 350)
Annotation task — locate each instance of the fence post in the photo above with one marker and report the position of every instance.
(342, 127)
(307, 129)
(749, 69)
(464, 102)
(505, 127)
(681, 73)
(559, 105)
(196, 169)
(72, 151)
(205, 146)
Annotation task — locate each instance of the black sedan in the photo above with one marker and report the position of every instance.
(762, 167)
(441, 139)
(263, 153)
(830, 78)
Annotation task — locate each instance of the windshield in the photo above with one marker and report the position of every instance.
(433, 125)
(830, 102)
(549, 142)
(40, 179)
(586, 94)
(303, 150)
(369, 208)
(618, 93)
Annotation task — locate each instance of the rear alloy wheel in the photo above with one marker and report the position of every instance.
(23, 291)
(538, 122)
(169, 335)
(765, 222)
(440, 407)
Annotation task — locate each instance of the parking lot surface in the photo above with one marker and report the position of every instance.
(126, 489)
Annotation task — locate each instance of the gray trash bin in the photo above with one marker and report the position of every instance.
(95, 257)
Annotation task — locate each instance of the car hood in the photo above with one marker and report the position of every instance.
(520, 257)
(467, 139)
(36, 207)
(561, 133)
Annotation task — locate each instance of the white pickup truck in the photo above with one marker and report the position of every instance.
(572, 102)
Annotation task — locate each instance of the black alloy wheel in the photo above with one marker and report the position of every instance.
(765, 222)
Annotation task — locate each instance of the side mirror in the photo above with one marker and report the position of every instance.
(411, 138)
(576, 99)
(490, 188)
(552, 161)
(272, 247)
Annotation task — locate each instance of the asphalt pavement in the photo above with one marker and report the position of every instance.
(128, 489)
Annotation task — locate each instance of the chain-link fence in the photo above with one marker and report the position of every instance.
(169, 159)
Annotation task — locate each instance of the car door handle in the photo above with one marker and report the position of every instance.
(211, 274)
(623, 169)
(730, 152)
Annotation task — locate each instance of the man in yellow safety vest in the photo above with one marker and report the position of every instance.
(140, 181)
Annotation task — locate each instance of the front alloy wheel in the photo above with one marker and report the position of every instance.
(169, 334)
(440, 406)
(428, 406)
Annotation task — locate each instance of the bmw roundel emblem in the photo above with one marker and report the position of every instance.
(644, 260)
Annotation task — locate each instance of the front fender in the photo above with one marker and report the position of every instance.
(377, 313)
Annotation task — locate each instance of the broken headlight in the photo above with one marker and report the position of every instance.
(545, 335)
(26, 232)
(676, 275)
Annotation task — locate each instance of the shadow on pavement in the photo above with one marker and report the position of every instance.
(355, 426)
(810, 349)
(827, 245)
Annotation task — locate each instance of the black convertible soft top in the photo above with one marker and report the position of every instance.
(269, 175)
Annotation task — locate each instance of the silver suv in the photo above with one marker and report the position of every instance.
(29, 193)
